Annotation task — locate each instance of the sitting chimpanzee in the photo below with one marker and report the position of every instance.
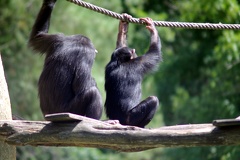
(123, 77)
(66, 84)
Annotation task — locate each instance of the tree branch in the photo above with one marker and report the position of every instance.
(7, 152)
(99, 134)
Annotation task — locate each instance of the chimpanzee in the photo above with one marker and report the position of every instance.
(65, 84)
(123, 77)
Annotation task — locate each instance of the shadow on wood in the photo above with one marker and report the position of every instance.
(99, 134)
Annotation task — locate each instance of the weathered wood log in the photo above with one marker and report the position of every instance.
(99, 134)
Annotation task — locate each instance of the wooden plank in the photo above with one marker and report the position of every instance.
(70, 117)
(60, 117)
(226, 122)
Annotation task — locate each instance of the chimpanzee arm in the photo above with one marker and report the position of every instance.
(150, 60)
(39, 39)
(122, 32)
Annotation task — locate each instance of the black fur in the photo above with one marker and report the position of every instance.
(66, 84)
(123, 77)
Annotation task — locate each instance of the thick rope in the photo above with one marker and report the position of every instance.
(158, 23)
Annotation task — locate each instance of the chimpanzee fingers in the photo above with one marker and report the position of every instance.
(147, 20)
(150, 25)
(126, 16)
(113, 122)
(150, 28)
(123, 25)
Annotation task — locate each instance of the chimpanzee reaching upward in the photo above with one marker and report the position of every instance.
(66, 84)
(123, 77)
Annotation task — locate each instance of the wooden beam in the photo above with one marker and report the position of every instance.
(99, 134)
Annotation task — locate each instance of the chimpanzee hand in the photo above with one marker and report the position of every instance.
(126, 17)
(150, 25)
(123, 25)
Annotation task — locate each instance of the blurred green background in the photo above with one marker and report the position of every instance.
(198, 81)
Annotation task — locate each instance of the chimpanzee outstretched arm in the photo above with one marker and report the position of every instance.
(122, 32)
(150, 60)
(39, 39)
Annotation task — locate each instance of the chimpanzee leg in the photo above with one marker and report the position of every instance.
(94, 107)
(88, 104)
(143, 113)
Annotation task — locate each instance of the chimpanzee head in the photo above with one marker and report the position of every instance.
(124, 54)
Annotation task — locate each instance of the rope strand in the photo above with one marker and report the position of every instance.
(157, 23)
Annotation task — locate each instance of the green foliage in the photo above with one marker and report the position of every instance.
(199, 80)
(22, 78)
